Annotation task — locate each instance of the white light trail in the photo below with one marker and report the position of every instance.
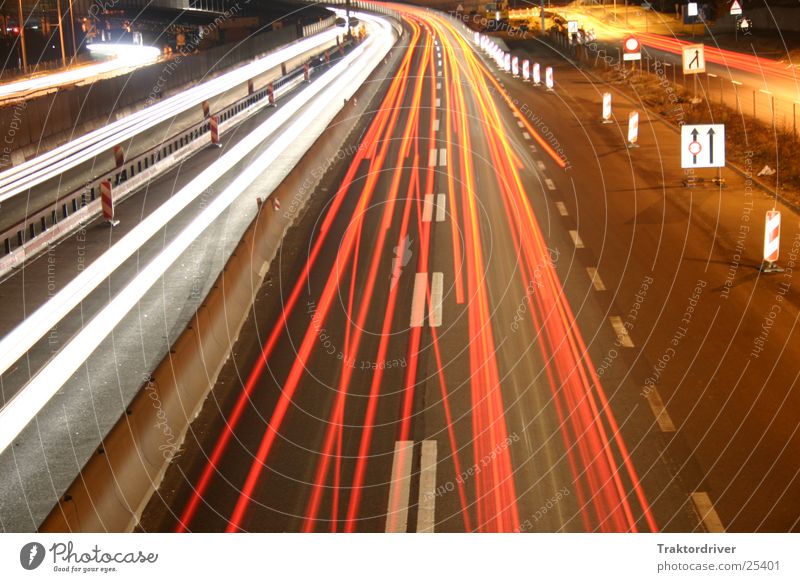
(339, 82)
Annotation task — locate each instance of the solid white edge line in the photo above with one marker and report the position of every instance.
(426, 510)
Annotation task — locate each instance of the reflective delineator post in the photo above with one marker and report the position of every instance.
(537, 74)
(250, 87)
(515, 66)
(633, 129)
(206, 109)
(107, 202)
(772, 242)
(306, 73)
(526, 70)
(607, 108)
(271, 94)
(548, 78)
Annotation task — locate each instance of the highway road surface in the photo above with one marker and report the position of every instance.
(425, 355)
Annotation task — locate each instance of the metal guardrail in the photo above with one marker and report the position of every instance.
(29, 237)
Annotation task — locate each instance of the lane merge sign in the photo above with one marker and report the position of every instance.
(694, 59)
(703, 146)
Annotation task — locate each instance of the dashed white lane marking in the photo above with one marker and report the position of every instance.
(516, 114)
(595, 278)
(576, 239)
(438, 102)
(520, 124)
(526, 135)
(400, 488)
(540, 165)
(437, 288)
(443, 157)
(440, 62)
(418, 299)
(438, 85)
(533, 148)
(426, 509)
(550, 184)
(441, 201)
(708, 515)
(659, 410)
(623, 337)
(435, 125)
(432, 157)
(427, 208)
(562, 209)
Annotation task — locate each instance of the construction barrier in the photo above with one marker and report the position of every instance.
(633, 129)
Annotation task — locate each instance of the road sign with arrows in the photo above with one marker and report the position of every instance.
(694, 59)
(703, 146)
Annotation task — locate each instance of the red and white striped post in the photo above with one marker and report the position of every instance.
(548, 78)
(306, 73)
(526, 70)
(271, 94)
(515, 66)
(327, 57)
(537, 74)
(250, 87)
(607, 108)
(214, 125)
(276, 204)
(119, 156)
(206, 109)
(107, 202)
(772, 242)
(507, 62)
(633, 129)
